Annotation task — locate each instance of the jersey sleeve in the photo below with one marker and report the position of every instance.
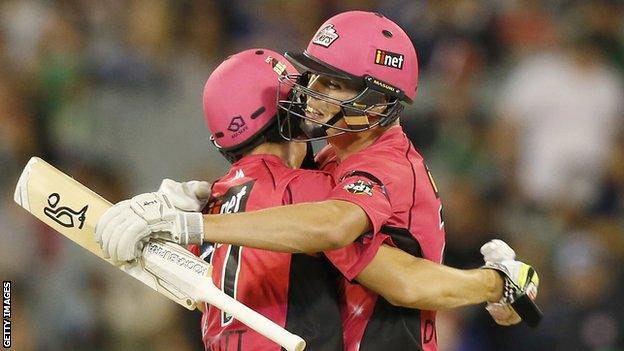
(353, 258)
(362, 187)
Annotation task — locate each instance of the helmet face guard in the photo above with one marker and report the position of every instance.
(366, 50)
(355, 111)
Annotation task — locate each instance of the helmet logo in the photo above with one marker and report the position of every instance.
(237, 125)
(325, 36)
(389, 59)
(278, 67)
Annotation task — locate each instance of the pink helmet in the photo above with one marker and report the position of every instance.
(364, 48)
(239, 98)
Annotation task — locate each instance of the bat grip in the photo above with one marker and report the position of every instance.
(528, 310)
(214, 296)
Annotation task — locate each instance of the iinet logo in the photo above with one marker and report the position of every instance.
(389, 59)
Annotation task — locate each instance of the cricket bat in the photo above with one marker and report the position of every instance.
(73, 210)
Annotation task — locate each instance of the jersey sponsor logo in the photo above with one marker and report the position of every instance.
(64, 215)
(360, 187)
(234, 200)
(389, 59)
(326, 36)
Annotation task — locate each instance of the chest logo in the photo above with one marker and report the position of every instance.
(234, 200)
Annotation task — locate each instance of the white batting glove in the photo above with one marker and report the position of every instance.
(125, 227)
(497, 251)
(187, 196)
(519, 278)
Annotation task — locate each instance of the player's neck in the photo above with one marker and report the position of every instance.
(280, 150)
(348, 144)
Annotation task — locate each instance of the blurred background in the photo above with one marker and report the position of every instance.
(519, 115)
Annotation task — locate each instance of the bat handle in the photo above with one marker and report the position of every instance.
(528, 310)
(214, 296)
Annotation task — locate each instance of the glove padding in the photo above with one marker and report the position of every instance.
(187, 196)
(518, 279)
(125, 227)
(497, 250)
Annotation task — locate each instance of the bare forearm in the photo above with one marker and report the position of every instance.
(418, 283)
(450, 288)
(308, 227)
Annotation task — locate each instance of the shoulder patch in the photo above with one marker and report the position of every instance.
(360, 187)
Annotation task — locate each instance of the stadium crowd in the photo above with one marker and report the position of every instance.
(520, 114)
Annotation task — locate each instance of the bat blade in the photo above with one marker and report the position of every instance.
(73, 210)
(61, 202)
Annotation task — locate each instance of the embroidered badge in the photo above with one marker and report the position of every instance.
(326, 36)
(360, 187)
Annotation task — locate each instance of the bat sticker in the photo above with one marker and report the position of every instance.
(64, 215)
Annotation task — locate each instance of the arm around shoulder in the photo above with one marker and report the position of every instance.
(305, 227)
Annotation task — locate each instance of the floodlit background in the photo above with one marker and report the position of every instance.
(519, 114)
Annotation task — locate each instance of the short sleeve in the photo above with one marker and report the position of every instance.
(364, 189)
(353, 258)
(368, 192)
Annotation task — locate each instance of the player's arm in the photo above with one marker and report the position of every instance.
(509, 286)
(408, 281)
(306, 227)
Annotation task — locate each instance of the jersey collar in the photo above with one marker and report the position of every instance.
(259, 157)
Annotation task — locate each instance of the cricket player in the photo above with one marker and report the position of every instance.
(297, 291)
(357, 72)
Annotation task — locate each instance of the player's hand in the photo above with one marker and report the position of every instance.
(497, 250)
(519, 278)
(125, 227)
(187, 196)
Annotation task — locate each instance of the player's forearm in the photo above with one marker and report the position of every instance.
(413, 282)
(451, 288)
(308, 227)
